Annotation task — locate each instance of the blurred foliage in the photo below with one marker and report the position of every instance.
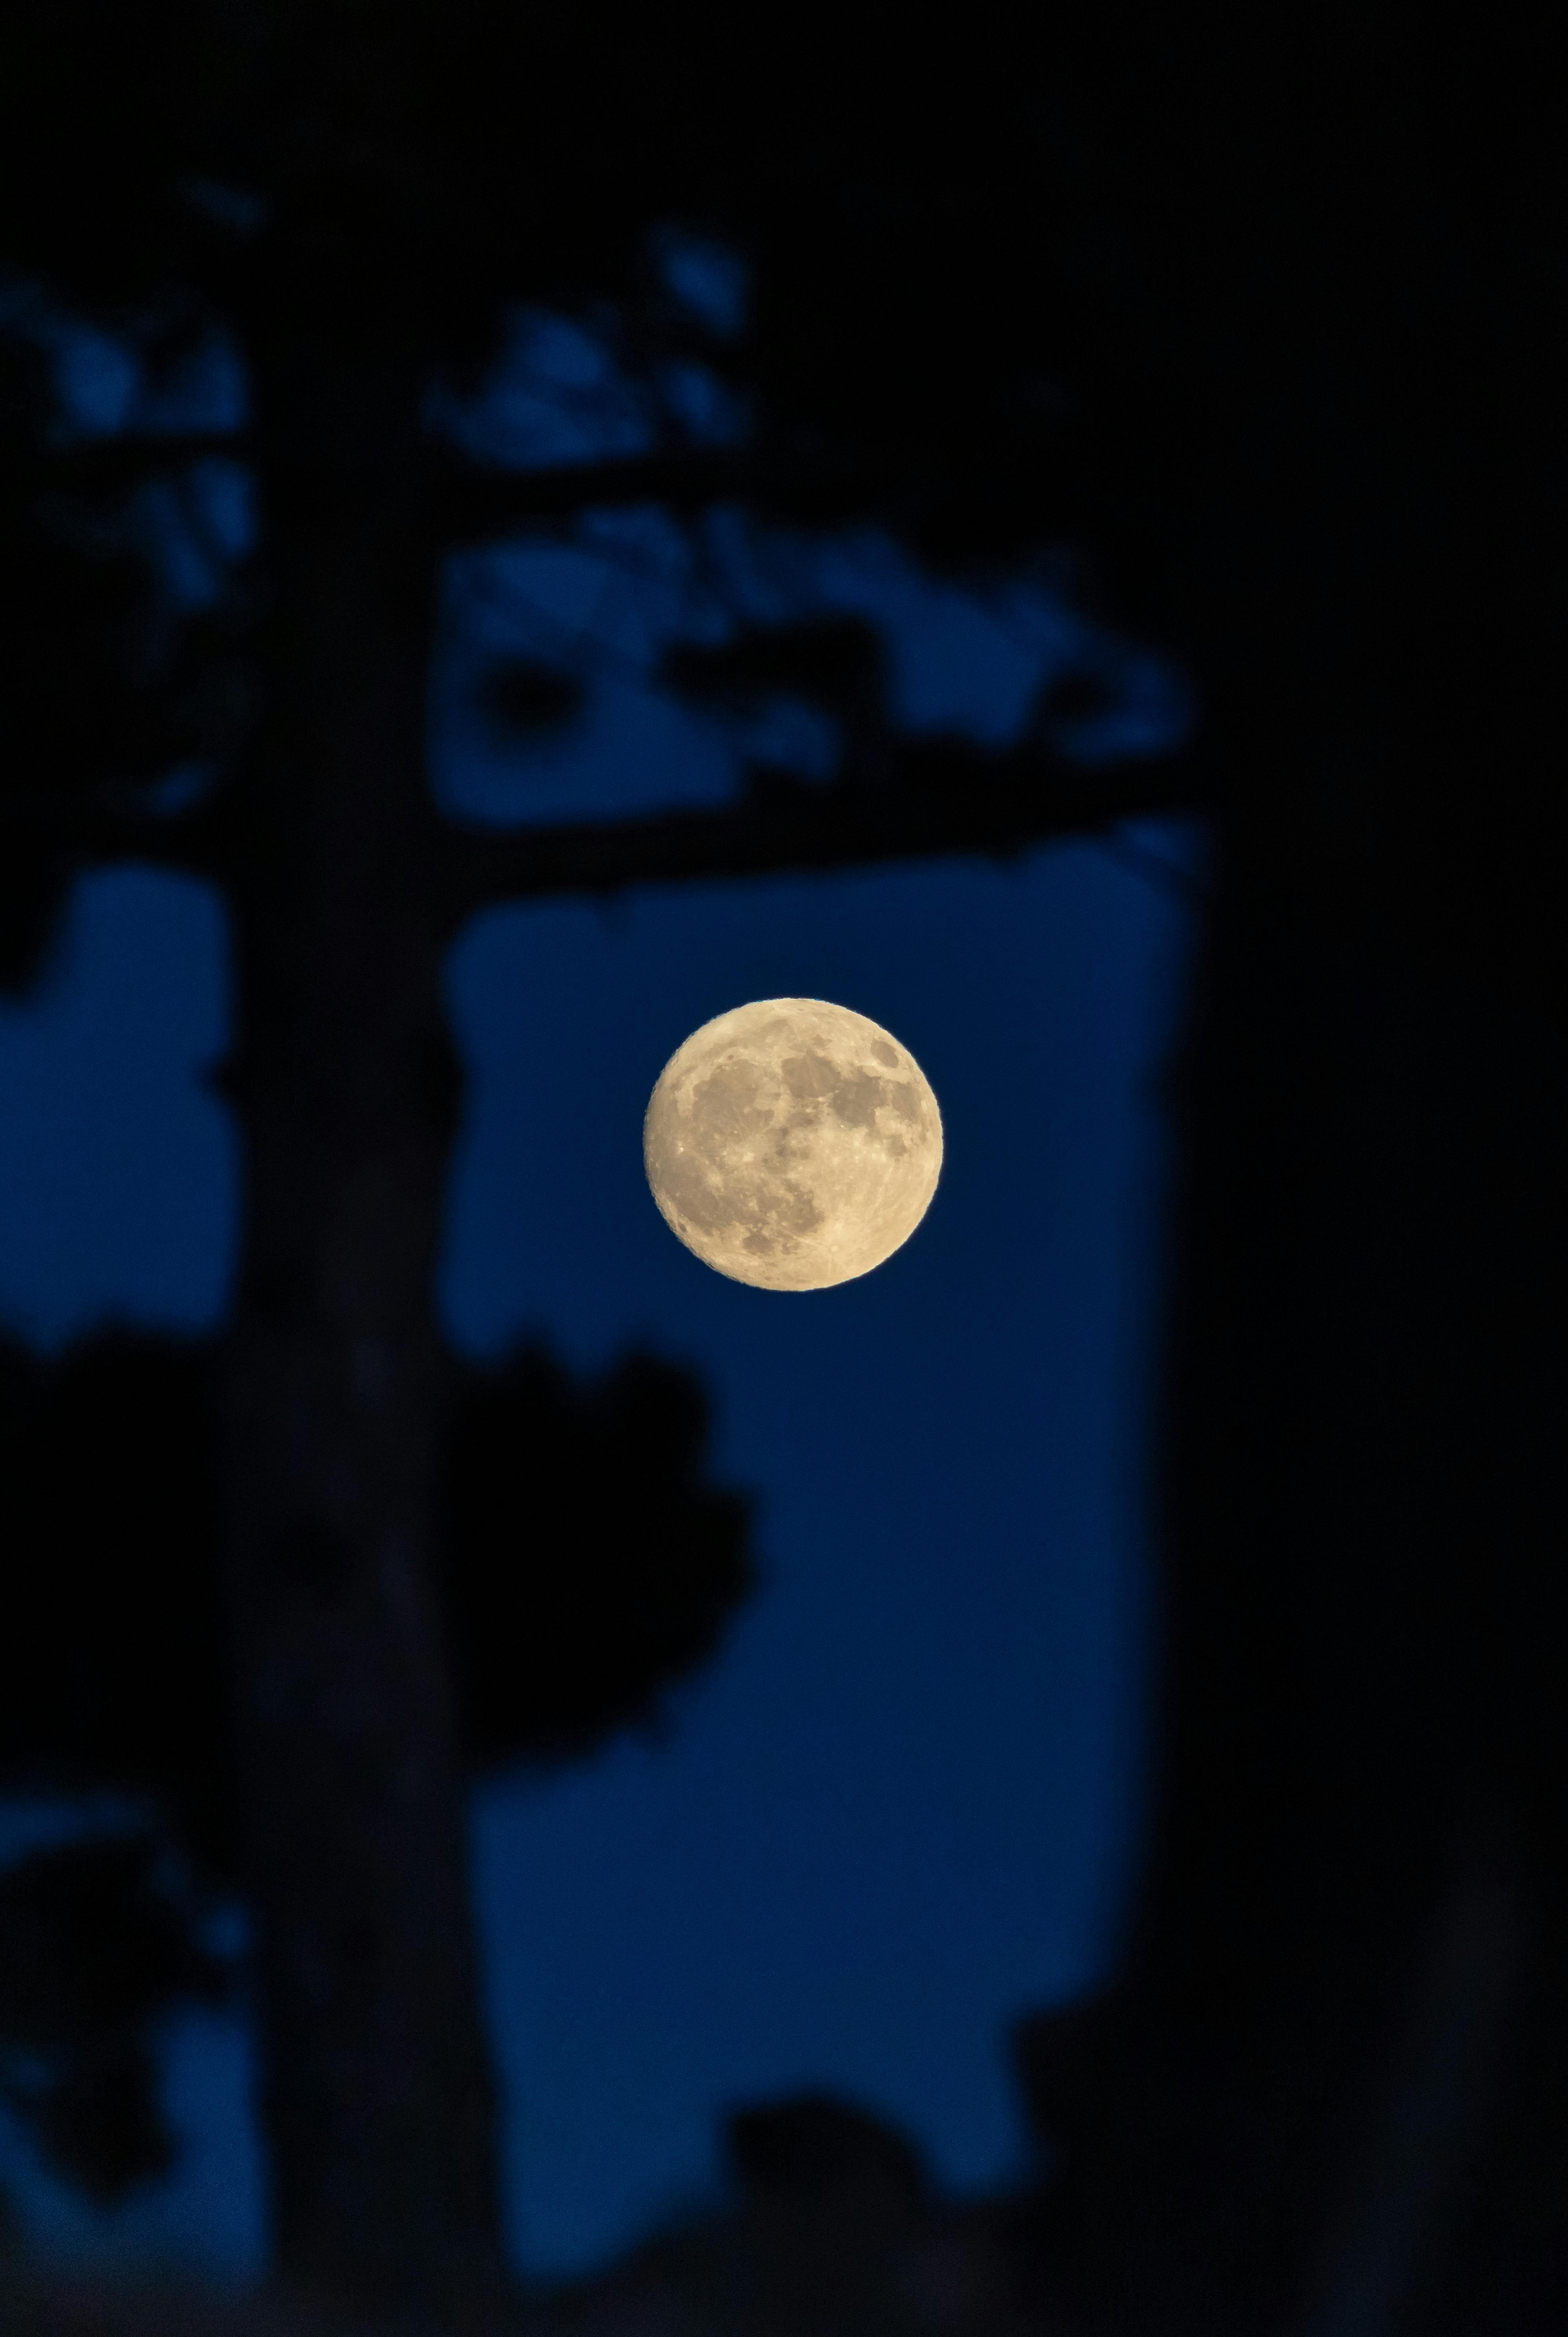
(588, 1567)
(73, 711)
(835, 665)
(1091, 302)
(114, 1669)
(409, 176)
(98, 1939)
(522, 699)
(1259, 313)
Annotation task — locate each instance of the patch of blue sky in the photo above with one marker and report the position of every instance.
(599, 608)
(707, 279)
(705, 409)
(632, 750)
(195, 526)
(974, 659)
(786, 734)
(957, 661)
(211, 2212)
(1186, 845)
(816, 1878)
(44, 1822)
(1150, 708)
(97, 378)
(118, 1175)
(192, 526)
(104, 383)
(970, 658)
(206, 387)
(966, 660)
(227, 500)
(212, 2217)
(555, 395)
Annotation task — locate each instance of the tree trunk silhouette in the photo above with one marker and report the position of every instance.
(377, 2097)
(1320, 2095)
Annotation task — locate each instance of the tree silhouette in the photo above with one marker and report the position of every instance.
(353, 200)
(1263, 319)
(1326, 2089)
(99, 1941)
(584, 1569)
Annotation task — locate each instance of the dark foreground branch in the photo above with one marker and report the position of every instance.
(473, 501)
(100, 829)
(117, 463)
(942, 799)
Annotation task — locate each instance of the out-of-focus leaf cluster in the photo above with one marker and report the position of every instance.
(98, 1938)
(587, 1568)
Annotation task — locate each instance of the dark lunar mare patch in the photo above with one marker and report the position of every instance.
(724, 1106)
(856, 1099)
(679, 1174)
(798, 1211)
(809, 1075)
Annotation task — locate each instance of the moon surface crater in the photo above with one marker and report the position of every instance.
(792, 1144)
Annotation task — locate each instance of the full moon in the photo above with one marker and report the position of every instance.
(792, 1144)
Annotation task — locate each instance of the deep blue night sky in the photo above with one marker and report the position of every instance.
(902, 1807)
